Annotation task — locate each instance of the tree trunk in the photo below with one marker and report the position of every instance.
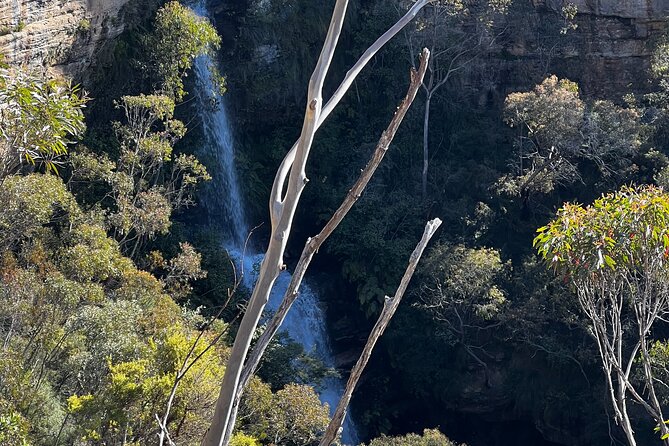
(314, 243)
(389, 307)
(282, 210)
(625, 422)
(650, 385)
(426, 131)
(282, 213)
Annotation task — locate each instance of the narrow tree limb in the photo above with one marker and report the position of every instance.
(389, 308)
(164, 432)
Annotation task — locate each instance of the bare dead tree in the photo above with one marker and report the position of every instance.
(389, 307)
(313, 244)
(289, 183)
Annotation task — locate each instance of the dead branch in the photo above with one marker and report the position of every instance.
(313, 244)
(389, 307)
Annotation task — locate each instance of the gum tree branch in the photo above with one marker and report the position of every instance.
(389, 307)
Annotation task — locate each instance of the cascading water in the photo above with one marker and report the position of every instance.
(305, 323)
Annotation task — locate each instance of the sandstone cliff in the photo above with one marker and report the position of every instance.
(59, 34)
(609, 51)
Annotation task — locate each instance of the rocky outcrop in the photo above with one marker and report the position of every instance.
(62, 35)
(608, 53)
(629, 9)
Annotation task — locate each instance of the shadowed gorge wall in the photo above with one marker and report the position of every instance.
(608, 51)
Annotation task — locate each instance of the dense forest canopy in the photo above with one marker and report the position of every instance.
(537, 315)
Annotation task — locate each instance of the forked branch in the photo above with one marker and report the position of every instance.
(337, 96)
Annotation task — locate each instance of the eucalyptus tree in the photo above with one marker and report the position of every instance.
(457, 33)
(179, 35)
(559, 130)
(615, 253)
(460, 289)
(148, 182)
(39, 118)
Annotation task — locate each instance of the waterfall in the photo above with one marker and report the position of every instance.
(305, 322)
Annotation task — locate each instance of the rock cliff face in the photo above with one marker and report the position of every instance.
(631, 9)
(59, 34)
(609, 51)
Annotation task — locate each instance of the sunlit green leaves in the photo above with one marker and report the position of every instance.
(292, 416)
(30, 202)
(461, 290)
(39, 117)
(559, 130)
(619, 230)
(179, 37)
(430, 437)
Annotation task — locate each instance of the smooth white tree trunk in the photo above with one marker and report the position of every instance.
(282, 211)
(286, 191)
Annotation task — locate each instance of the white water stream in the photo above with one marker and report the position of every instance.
(305, 323)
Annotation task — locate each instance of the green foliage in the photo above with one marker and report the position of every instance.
(384, 229)
(13, 426)
(38, 119)
(181, 270)
(84, 26)
(568, 12)
(618, 233)
(92, 256)
(285, 362)
(241, 439)
(460, 289)
(660, 63)
(83, 328)
(137, 388)
(456, 276)
(430, 437)
(615, 254)
(558, 130)
(292, 416)
(659, 354)
(90, 332)
(148, 183)
(91, 345)
(31, 202)
(658, 100)
(179, 36)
